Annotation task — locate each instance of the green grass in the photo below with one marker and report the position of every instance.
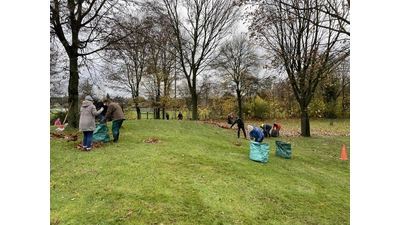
(196, 175)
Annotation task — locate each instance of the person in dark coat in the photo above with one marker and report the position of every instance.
(180, 116)
(99, 103)
(167, 116)
(116, 115)
(87, 117)
(240, 125)
(266, 129)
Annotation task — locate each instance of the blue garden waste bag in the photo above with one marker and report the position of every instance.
(101, 133)
(283, 149)
(259, 151)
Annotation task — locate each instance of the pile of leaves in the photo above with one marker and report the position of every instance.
(219, 124)
(74, 137)
(68, 137)
(287, 132)
(152, 140)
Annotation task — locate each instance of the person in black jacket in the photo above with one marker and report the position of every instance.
(100, 103)
(266, 129)
(240, 125)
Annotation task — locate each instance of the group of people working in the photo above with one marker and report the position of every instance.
(91, 110)
(255, 133)
(265, 130)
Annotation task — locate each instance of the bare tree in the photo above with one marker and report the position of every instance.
(305, 51)
(335, 85)
(160, 65)
(82, 28)
(198, 27)
(238, 61)
(333, 10)
(86, 88)
(127, 60)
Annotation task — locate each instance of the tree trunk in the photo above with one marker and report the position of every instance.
(194, 106)
(157, 113)
(239, 98)
(305, 122)
(73, 95)
(157, 109)
(139, 114)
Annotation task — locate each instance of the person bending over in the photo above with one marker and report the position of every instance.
(255, 133)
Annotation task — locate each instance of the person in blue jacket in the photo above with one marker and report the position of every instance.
(256, 133)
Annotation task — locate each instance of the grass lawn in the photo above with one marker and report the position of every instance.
(197, 174)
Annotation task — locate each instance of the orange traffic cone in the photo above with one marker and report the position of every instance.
(344, 155)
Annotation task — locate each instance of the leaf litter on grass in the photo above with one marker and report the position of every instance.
(74, 137)
(152, 140)
(289, 132)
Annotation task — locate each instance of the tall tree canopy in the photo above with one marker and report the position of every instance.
(198, 27)
(238, 61)
(83, 27)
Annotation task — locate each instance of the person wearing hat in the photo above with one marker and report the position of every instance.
(87, 119)
(240, 125)
(255, 133)
(116, 115)
(266, 128)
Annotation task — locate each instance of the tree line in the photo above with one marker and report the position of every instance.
(188, 54)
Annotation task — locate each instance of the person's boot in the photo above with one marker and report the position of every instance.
(116, 136)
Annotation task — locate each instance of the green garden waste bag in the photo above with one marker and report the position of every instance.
(283, 149)
(259, 151)
(101, 133)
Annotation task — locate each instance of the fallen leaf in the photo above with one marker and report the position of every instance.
(152, 140)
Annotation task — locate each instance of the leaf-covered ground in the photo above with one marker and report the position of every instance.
(74, 137)
(288, 131)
